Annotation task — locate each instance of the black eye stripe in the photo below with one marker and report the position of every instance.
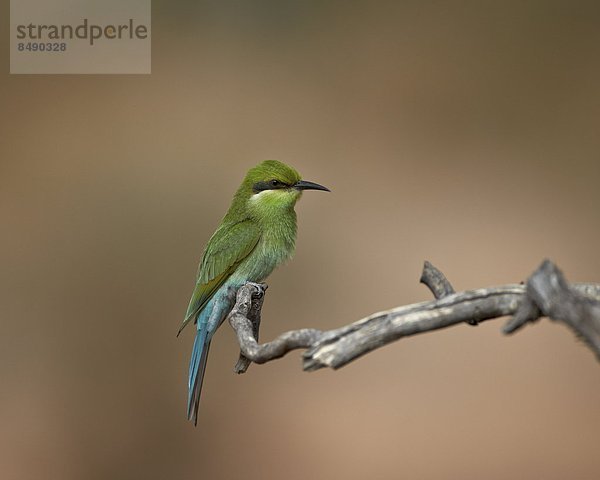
(268, 185)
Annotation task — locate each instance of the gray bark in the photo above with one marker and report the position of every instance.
(545, 294)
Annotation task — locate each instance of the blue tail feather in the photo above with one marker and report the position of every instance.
(197, 369)
(208, 321)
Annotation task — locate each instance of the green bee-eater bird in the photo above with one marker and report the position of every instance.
(255, 236)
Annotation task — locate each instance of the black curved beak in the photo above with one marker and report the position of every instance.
(305, 185)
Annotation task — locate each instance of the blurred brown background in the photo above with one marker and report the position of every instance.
(465, 133)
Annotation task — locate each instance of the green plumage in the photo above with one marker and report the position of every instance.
(227, 248)
(255, 236)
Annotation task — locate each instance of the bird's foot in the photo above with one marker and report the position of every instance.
(260, 289)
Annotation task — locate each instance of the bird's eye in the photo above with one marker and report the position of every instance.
(275, 183)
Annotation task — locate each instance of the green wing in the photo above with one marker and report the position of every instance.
(226, 249)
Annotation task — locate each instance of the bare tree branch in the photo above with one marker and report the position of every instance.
(439, 285)
(549, 295)
(546, 293)
(245, 320)
(436, 281)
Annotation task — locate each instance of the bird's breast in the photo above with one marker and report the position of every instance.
(276, 245)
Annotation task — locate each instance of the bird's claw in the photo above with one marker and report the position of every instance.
(260, 289)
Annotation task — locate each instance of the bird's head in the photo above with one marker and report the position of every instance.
(274, 185)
